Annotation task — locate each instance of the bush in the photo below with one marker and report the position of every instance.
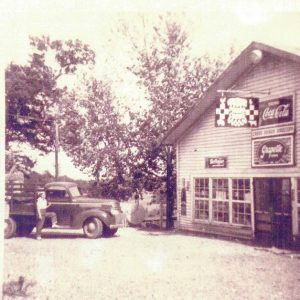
(17, 288)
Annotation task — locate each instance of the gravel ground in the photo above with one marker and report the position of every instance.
(137, 264)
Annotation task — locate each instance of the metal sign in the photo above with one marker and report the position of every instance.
(276, 111)
(216, 162)
(271, 131)
(237, 112)
(275, 152)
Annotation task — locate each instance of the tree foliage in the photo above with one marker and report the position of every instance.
(15, 161)
(174, 81)
(31, 90)
(28, 92)
(125, 153)
(96, 137)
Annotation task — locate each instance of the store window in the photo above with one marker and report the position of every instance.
(202, 198)
(241, 201)
(220, 204)
(223, 200)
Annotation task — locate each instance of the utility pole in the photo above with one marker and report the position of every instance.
(55, 113)
(56, 148)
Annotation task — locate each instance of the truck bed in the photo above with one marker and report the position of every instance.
(25, 208)
(21, 200)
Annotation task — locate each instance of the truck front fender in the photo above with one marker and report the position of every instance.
(104, 216)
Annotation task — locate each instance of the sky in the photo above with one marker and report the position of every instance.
(213, 27)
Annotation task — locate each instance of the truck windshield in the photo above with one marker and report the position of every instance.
(74, 191)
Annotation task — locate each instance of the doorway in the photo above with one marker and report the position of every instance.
(272, 208)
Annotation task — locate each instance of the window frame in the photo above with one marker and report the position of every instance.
(72, 189)
(230, 201)
(218, 200)
(206, 199)
(226, 188)
(66, 198)
(239, 201)
(297, 200)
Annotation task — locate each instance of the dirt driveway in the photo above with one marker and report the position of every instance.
(149, 265)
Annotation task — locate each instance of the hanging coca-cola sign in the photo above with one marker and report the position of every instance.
(277, 151)
(276, 111)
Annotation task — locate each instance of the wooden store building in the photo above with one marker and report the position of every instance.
(238, 151)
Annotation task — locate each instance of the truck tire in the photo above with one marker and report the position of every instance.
(10, 228)
(93, 228)
(107, 232)
(24, 229)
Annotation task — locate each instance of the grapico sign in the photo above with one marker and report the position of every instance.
(216, 162)
(276, 111)
(277, 151)
(271, 151)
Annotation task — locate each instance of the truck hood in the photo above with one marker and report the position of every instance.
(82, 199)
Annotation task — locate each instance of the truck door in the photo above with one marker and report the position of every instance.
(61, 204)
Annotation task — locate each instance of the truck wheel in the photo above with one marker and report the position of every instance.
(93, 228)
(24, 229)
(10, 227)
(107, 232)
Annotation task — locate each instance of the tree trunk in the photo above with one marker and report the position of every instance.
(170, 198)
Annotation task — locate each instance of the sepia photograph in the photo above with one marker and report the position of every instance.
(151, 149)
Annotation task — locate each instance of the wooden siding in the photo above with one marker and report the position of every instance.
(282, 78)
(224, 230)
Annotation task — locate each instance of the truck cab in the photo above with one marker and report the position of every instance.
(62, 200)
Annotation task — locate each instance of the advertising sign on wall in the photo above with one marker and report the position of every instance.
(216, 162)
(278, 111)
(271, 131)
(237, 112)
(273, 152)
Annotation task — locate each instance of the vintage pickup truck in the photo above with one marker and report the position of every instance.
(68, 209)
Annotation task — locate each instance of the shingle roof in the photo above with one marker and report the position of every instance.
(237, 67)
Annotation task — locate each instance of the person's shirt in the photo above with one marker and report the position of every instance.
(41, 203)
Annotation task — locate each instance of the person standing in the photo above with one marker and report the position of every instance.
(41, 206)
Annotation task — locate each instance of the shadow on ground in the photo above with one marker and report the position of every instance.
(156, 231)
(60, 234)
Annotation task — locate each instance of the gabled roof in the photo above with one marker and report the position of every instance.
(238, 66)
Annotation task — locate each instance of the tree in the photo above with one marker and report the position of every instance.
(96, 137)
(32, 90)
(37, 180)
(174, 82)
(17, 162)
(26, 104)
